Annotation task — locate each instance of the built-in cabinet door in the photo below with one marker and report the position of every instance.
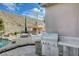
(70, 51)
(45, 48)
(49, 48)
(53, 49)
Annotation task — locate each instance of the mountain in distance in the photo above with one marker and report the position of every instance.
(14, 22)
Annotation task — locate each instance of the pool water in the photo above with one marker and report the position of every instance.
(3, 42)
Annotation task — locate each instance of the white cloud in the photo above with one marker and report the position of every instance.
(23, 14)
(36, 10)
(31, 13)
(26, 13)
(42, 10)
(11, 6)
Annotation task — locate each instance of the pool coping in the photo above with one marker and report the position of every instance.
(6, 50)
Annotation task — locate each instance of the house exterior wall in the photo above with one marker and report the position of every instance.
(63, 19)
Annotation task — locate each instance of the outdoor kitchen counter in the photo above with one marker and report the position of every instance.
(69, 41)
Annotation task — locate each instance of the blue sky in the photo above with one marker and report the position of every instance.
(24, 9)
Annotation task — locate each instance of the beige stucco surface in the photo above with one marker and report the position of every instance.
(63, 19)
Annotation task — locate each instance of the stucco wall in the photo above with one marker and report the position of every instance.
(63, 19)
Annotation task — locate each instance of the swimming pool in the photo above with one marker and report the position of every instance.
(4, 42)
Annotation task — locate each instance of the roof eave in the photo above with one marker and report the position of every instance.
(47, 4)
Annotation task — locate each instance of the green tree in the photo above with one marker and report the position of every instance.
(26, 25)
(1, 26)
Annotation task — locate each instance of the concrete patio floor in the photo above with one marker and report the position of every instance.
(21, 51)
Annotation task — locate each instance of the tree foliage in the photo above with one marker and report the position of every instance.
(1, 25)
